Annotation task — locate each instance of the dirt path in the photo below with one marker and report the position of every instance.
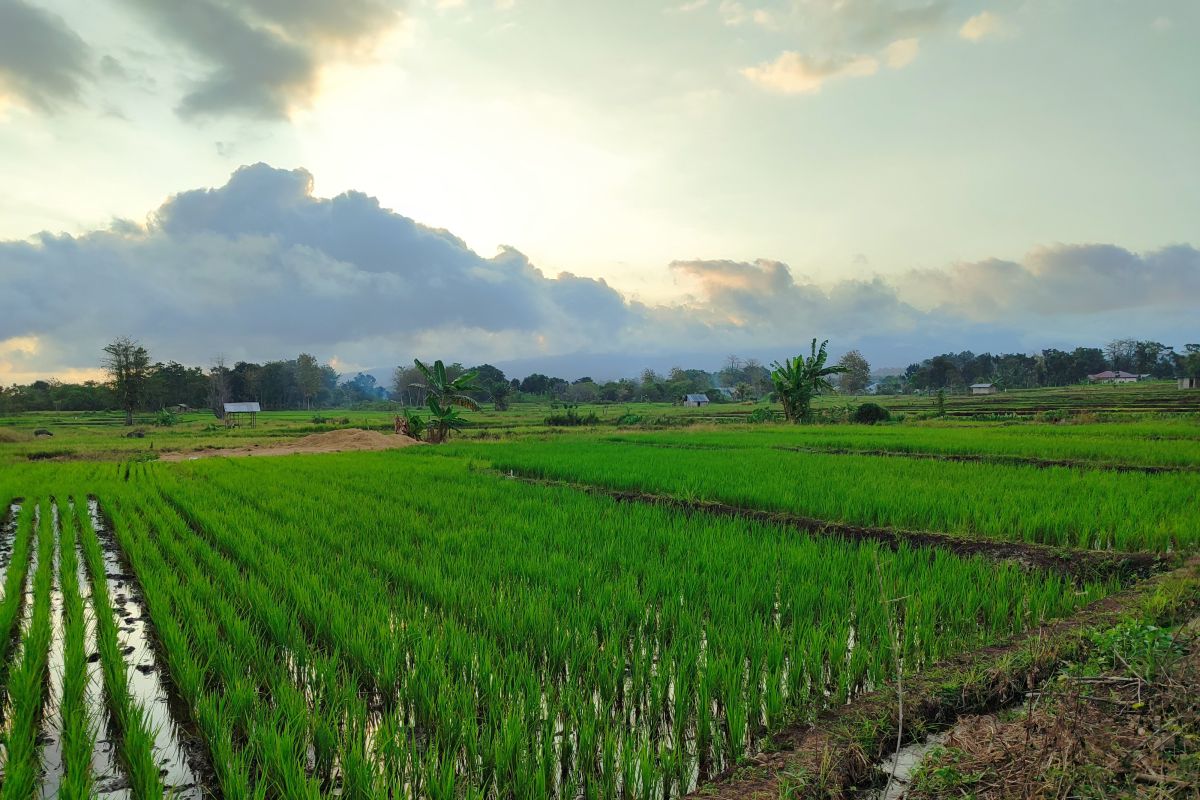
(339, 441)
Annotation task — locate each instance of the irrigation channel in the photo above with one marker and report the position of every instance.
(70, 700)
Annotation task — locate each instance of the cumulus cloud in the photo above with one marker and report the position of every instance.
(264, 55)
(980, 26)
(902, 52)
(261, 268)
(43, 63)
(796, 73)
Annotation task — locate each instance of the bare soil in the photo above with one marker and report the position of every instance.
(339, 441)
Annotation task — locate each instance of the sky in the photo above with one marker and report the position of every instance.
(593, 185)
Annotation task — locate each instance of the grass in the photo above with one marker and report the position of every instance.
(1058, 506)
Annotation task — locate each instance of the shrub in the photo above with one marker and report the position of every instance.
(165, 418)
(571, 418)
(870, 413)
(762, 415)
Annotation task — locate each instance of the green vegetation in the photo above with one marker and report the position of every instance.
(406, 638)
(798, 380)
(1059, 506)
(128, 717)
(28, 677)
(412, 622)
(1159, 443)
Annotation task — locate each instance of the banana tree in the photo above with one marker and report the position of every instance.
(798, 380)
(443, 398)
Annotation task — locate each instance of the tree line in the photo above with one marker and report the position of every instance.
(1051, 367)
(137, 383)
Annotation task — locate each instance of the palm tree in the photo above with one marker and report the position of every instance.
(798, 380)
(444, 395)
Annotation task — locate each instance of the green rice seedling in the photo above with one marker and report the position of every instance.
(27, 681)
(558, 640)
(137, 741)
(14, 582)
(1057, 506)
(78, 728)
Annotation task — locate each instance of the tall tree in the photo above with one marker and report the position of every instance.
(857, 373)
(127, 364)
(218, 386)
(309, 378)
(798, 380)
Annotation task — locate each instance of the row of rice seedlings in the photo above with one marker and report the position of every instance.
(14, 583)
(240, 689)
(77, 728)
(129, 718)
(1059, 506)
(1140, 444)
(475, 673)
(27, 681)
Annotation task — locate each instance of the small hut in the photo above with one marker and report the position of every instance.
(695, 400)
(983, 388)
(238, 414)
(1189, 383)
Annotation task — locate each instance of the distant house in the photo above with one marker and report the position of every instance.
(983, 388)
(695, 400)
(871, 388)
(238, 413)
(1189, 383)
(727, 392)
(1109, 376)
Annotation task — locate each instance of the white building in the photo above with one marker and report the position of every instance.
(983, 388)
(1109, 376)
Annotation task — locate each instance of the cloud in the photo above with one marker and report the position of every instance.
(43, 63)
(902, 52)
(796, 73)
(980, 26)
(261, 268)
(871, 23)
(686, 7)
(264, 55)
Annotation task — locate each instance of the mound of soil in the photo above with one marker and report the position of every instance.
(338, 441)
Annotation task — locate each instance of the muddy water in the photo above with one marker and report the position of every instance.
(16, 648)
(8, 539)
(904, 762)
(111, 781)
(179, 756)
(51, 735)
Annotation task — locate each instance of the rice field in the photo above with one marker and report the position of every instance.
(1167, 444)
(1091, 509)
(387, 624)
(419, 624)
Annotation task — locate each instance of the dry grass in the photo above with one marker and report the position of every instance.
(1130, 731)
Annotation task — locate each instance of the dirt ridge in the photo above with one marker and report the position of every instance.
(833, 756)
(336, 441)
(1079, 564)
